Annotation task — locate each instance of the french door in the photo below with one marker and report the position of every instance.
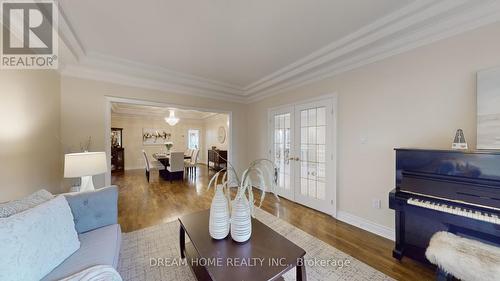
(282, 150)
(302, 148)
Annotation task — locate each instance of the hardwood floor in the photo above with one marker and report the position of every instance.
(141, 205)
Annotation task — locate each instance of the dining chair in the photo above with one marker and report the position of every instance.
(189, 152)
(150, 165)
(193, 162)
(176, 168)
(188, 155)
(146, 164)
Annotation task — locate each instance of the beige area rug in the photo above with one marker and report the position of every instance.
(147, 246)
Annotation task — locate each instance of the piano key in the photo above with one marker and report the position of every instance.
(455, 210)
(478, 215)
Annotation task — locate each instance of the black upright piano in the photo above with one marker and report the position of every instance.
(445, 190)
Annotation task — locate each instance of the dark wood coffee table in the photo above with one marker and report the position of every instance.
(266, 256)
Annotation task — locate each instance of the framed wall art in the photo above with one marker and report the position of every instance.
(488, 109)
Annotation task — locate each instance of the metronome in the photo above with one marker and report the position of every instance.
(459, 141)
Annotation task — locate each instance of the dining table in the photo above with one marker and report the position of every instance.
(164, 159)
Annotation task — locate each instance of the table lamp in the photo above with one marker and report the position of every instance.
(85, 165)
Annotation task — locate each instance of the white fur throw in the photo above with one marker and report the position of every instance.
(95, 273)
(465, 259)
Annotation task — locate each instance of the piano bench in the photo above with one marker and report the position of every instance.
(463, 258)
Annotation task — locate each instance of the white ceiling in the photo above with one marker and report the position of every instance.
(156, 111)
(232, 41)
(244, 50)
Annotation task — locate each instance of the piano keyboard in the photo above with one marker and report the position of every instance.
(482, 216)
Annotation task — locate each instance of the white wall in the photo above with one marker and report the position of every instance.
(83, 113)
(132, 135)
(416, 99)
(30, 156)
(212, 125)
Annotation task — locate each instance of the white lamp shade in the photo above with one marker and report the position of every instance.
(84, 164)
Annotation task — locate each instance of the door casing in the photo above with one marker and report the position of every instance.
(331, 143)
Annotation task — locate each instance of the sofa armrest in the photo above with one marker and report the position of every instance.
(94, 209)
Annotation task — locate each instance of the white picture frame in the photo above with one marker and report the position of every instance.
(488, 109)
(155, 136)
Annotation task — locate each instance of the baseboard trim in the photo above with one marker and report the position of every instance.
(367, 225)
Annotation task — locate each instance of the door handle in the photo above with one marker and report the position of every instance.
(294, 158)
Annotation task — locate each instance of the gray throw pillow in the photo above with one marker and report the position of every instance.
(16, 206)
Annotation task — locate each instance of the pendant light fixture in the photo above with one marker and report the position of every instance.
(172, 120)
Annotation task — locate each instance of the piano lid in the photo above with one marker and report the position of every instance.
(474, 167)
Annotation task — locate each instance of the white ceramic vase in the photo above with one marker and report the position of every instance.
(218, 225)
(241, 221)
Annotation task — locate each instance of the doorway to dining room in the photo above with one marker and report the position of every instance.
(166, 142)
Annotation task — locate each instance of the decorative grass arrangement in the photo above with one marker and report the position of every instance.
(261, 174)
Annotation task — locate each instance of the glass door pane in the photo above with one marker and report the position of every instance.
(193, 139)
(302, 146)
(282, 149)
(312, 122)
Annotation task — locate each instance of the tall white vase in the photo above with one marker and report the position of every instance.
(218, 225)
(241, 221)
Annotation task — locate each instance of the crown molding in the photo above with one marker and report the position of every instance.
(433, 26)
(68, 35)
(161, 112)
(417, 24)
(340, 47)
(157, 116)
(95, 66)
(134, 80)
(115, 70)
